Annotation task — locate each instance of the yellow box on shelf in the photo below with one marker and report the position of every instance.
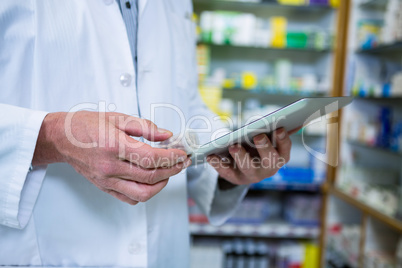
(311, 256)
(212, 96)
(203, 62)
(278, 29)
(249, 80)
(229, 83)
(292, 2)
(335, 3)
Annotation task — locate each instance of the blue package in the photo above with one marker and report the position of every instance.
(384, 135)
(396, 136)
(386, 90)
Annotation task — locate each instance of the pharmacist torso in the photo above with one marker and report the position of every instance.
(73, 55)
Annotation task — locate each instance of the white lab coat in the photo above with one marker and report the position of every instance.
(55, 55)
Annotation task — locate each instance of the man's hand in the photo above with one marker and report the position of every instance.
(246, 168)
(101, 149)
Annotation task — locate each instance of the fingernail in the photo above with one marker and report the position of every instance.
(163, 131)
(187, 163)
(181, 159)
(225, 160)
(281, 134)
(262, 140)
(234, 149)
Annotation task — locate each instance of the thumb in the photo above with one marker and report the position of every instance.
(138, 127)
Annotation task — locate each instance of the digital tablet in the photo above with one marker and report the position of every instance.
(290, 117)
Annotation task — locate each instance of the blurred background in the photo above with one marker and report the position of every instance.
(256, 56)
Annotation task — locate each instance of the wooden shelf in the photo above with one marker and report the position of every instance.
(271, 230)
(388, 220)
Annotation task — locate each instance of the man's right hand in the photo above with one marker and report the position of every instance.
(101, 149)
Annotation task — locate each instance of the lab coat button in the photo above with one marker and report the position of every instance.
(134, 248)
(188, 16)
(125, 80)
(108, 2)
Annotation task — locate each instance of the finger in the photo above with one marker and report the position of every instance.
(138, 191)
(284, 144)
(295, 130)
(225, 169)
(142, 128)
(242, 159)
(147, 156)
(151, 176)
(267, 152)
(122, 197)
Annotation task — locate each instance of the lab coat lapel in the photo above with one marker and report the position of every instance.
(141, 6)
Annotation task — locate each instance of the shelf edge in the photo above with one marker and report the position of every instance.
(391, 222)
(294, 231)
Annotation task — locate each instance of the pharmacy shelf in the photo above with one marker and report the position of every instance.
(389, 48)
(266, 97)
(266, 49)
(370, 211)
(373, 98)
(337, 259)
(268, 230)
(305, 187)
(225, 4)
(374, 148)
(374, 4)
(393, 102)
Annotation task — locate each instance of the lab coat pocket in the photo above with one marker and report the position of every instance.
(183, 47)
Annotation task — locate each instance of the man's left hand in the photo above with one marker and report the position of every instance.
(245, 168)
